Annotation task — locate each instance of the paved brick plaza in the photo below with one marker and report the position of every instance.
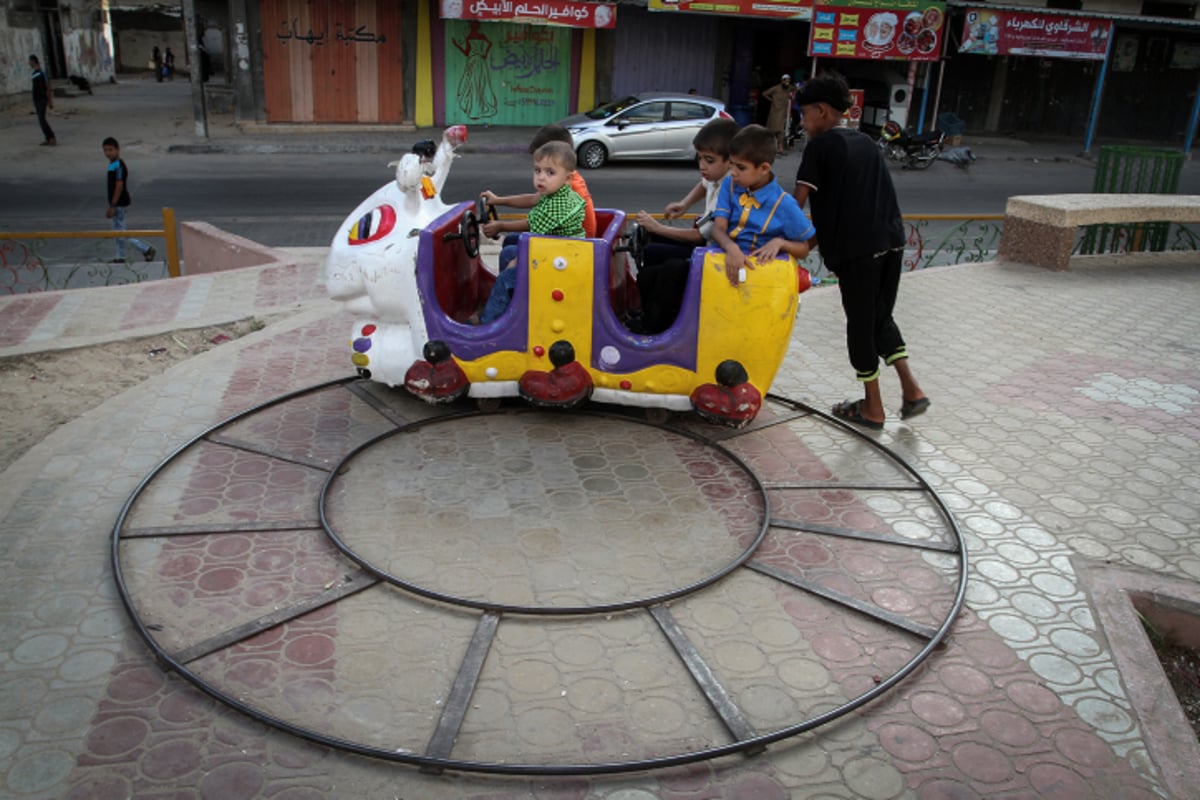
(1063, 438)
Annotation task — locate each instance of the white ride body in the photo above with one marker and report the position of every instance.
(376, 280)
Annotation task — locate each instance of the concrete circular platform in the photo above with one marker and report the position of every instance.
(533, 592)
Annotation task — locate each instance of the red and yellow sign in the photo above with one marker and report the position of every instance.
(775, 9)
(999, 33)
(534, 12)
(909, 30)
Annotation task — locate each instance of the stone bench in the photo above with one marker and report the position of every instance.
(1040, 229)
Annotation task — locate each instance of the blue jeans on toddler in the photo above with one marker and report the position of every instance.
(506, 283)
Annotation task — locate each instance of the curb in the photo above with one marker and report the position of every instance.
(311, 148)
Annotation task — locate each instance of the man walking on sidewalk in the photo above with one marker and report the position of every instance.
(43, 98)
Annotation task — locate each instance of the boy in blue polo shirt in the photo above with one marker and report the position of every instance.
(754, 219)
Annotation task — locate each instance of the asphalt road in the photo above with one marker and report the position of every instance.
(299, 200)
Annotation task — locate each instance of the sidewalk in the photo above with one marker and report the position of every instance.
(1064, 437)
(158, 116)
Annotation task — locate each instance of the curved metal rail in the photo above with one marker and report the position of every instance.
(437, 757)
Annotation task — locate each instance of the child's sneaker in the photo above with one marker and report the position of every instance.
(150, 254)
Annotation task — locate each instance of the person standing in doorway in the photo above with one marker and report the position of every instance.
(780, 98)
(118, 200)
(43, 99)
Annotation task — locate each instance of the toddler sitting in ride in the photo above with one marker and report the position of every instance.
(561, 206)
(559, 211)
(493, 228)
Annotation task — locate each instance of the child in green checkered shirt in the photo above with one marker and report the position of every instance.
(559, 211)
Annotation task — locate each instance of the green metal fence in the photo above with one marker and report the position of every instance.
(1132, 170)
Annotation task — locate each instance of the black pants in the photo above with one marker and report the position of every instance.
(869, 286)
(662, 281)
(41, 115)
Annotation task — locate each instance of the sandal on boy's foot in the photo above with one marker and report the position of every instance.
(914, 408)
(150, 254)
(851, 411)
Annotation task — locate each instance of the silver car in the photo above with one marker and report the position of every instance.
(651, 125)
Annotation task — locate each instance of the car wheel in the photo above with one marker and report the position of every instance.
(593, 155)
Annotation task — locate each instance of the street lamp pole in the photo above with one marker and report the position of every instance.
(193, 45)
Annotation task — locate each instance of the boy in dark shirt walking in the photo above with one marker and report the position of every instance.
(43, 98)
(118, 199)
(861, 236)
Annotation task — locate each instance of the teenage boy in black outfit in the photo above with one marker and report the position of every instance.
(43, 98)
(861, 236)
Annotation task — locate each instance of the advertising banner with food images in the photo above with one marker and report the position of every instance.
(776, 9)
(991, 32)
(909, 30)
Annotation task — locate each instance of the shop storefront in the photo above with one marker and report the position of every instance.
(1026, 70)
(757, 41)
(886, 48)
(672, 52)
(515, 63)
(1020, 70)
(331, 61)
(1164, 56)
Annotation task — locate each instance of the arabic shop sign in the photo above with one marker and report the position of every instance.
(506, 74)
(776, 9)
(999, 33)
(536, 12)
(343, 34)
(909, 30)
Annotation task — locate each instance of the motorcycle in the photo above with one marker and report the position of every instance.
(913, 151)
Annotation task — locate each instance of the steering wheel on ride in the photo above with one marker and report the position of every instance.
(634, 243)
(468, 227)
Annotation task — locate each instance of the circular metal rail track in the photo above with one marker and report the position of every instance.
(466, 591)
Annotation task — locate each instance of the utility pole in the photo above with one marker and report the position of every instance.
(193, 45)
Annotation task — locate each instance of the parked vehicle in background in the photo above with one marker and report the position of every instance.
(652, 125)
(913, 151)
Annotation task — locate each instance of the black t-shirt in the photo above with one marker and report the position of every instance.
(39, 88)
(117, 171)
(851, 196)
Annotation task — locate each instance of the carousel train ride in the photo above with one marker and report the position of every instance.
(408, 267)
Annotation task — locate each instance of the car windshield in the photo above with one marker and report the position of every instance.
(608, 109)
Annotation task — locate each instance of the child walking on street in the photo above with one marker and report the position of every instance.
(118, 200)
(755, 219)
(861, 235)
